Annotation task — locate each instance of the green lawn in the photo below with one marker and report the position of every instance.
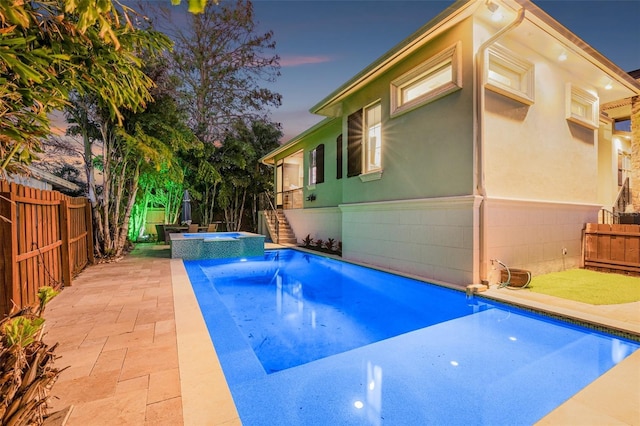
(582, 285)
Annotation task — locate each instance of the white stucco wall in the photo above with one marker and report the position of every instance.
(432, 238)
(532, 235)
(319, 223)
(533, 151)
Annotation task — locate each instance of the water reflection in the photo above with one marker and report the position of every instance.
(372, 403)
(620, 350)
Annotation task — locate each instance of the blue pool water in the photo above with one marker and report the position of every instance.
(303, 339)
(212, 235)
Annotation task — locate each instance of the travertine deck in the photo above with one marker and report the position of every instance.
(139, 352)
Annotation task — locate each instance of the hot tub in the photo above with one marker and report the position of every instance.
(216, 245)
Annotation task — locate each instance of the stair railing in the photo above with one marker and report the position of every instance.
(608, 217)
(272, 213)
(624, 198)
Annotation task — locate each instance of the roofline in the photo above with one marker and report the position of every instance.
(265, 159)
(445, 19)
(586, 51)
(52, 179)
(451, 16)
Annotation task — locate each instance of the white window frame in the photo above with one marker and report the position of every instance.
(366, 141)
(509, 75)
(452, 56)
(312, 167)
(577, 97)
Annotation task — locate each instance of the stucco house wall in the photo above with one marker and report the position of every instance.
(477, 175)
(328, 193)
(428, 151)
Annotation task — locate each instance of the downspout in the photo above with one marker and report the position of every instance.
(480, 105)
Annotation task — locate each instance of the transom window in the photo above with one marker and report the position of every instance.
(510, 75)
(581, 107)
(373, 138)
(433, 79)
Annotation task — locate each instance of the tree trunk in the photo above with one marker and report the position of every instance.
(124, 227)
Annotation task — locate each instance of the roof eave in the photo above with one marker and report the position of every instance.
(269, 159)
(444, 20)
(588, 52)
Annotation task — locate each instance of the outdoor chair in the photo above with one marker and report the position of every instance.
(193, 227)
(213, 227)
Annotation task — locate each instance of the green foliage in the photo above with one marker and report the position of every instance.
(45, 294)
(21, 331)
(307, 241)
(49, 49)
(27, 369)
(195, 6)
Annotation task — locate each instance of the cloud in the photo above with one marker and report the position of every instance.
(295, 61)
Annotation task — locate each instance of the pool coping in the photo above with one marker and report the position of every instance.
(207, 399)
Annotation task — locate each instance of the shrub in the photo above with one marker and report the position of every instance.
(329, 244)
(26, 365)
(307, 241)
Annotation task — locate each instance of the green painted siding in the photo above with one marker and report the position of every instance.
(328, 193)
(427, 152)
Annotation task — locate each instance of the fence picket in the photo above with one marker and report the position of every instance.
(612, 248)
(46, 241)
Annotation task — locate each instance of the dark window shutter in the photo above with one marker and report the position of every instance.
(320, 163)
(339, 157)
(354, 144)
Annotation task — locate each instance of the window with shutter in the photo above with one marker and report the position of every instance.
(320, 163)
(354, 144)
(316, 165)
(339, 157)
(373, 138)
(312, 167)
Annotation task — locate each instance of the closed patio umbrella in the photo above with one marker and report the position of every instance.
(186, 208)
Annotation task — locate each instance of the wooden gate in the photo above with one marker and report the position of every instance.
(612, 248)
(46, 238)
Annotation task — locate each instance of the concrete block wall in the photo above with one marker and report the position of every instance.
(432, 238)
(533, 235)
(323, 222)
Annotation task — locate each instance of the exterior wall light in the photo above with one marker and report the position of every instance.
(496, 14)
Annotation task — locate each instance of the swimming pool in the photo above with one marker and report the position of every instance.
(470, 362)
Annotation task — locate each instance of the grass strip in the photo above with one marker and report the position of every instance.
(582, 285)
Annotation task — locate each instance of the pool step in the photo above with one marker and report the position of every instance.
(286, 233)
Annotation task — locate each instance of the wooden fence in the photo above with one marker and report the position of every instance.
(46, 238)
(612, 248)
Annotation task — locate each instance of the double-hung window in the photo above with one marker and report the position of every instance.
(373, 138)
(364, 141)
(316, 165)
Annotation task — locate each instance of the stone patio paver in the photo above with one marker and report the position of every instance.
(116, 330)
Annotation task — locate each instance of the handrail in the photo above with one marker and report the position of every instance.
(624, 198)
(273, 215)
(608, 217)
